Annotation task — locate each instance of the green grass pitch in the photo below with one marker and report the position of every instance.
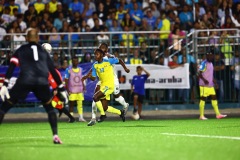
(180, 139)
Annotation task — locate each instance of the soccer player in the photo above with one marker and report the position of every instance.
(35, 64)
(138, 90)
(116, 93)
(206, 83)
(75, 87)
(103, 69)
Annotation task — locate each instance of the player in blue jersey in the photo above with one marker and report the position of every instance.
(138, 89)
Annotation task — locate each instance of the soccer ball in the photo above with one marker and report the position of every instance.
(135, 116)
(47, 47)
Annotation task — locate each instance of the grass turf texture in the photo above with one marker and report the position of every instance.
(132, 140)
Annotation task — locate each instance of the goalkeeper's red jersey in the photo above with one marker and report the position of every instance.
(51, 80)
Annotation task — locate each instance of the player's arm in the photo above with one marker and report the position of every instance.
(201, 69)
(124, 66)
(147, 73)
(93, 75)
(13, 63)
(87, 75)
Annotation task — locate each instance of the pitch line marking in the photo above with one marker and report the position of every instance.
(202, 136)
(40, 137)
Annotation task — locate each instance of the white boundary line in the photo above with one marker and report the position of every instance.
(201, 136)
(40, 137)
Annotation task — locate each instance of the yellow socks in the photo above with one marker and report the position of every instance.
(79, 107)
(113, 110)
(215, 107)
(201, 108)
(100, 107)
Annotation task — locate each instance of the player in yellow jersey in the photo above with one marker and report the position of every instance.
(103, 69)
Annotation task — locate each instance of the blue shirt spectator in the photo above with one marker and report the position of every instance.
(136, 14)
(76, 6)
(138, 81)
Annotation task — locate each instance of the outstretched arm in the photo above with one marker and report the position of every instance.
(124, 66)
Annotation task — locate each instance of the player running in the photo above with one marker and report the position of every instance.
(103, 69)
(116, 93)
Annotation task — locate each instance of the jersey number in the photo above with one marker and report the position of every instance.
(35, 52)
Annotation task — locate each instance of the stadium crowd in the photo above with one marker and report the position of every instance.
(65, 16)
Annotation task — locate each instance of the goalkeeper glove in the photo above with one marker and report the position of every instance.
(4, 91)
(63, 93)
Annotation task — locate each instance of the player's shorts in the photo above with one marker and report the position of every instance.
(76, 97)
(207, 91)
(107, 91)
(116, 86)
(140, 97)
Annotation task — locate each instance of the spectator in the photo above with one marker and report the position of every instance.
(177, 37)
(58, 22)
(219, 67)
(115, 28)
(122, 4)
(97, 27)
(121, 15)
(109, 6)
(154, 9)
(173, 64)
(21, 23)
(164, 26)
(87, 58)
(126, 21)
(30, 15)
(24, 6)
(60, 9)
(109, 21)
(135, 59)
(12, 5)
(54, 39)
(91, 21)
(235, 62)
(102, 37)
(186, 18)
(39, 6)
(102, 13)
(136, 14)
(74, 38)
(77, 20)
(6, 17)
(151, 20)
(127, 39)
(87, 12)
(143, 50)
(18, 38)
(76, 6)
(53, 6)
(56, 60)
(226, 48)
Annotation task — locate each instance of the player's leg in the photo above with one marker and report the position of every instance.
(140, 103)
(94, 107)
(135, 103)
(111, 109)
(215, 106)
(203, 95)
(80, 111)
(42, 92)
(71, 106)
(120, 99)
(96, 97)
(17, 92)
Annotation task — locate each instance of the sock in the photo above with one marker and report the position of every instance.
(65, 111)
(94, 110)
(135, 110)
(80, 116)
(201, 108)
(215, 107)
(52, 118)
(113, 110)
(122, 101)
(100, 107)
(79, 107)
(71, 113)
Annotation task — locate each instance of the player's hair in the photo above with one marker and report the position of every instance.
(99, 50)
(74, 57)
(103, 44)
(139, 67)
